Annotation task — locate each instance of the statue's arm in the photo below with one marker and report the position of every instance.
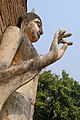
(55, 54)
(11, 40)
(15, 75)
(38, 62)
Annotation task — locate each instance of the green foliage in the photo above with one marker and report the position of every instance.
(58, 98)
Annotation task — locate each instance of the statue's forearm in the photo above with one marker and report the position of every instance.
(51, 57)
(36, 63)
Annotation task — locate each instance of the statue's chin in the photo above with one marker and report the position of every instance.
(35, 38)
(38, 36)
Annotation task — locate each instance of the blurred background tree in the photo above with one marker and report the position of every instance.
(58, 98)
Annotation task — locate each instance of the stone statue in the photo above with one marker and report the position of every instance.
(20, 66)
(31, 27)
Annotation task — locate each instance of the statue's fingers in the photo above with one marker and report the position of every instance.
(70, 43)
(63, 42)
(55, 40)
(60, 41)
(57, 33)
(66, 35)
(62, 32)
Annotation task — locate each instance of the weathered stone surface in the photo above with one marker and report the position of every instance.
(19, 105)
(18, 83)
(15, 77)
(9, 45)
(11, 84)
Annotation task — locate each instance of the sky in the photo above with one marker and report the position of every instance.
(63, 14)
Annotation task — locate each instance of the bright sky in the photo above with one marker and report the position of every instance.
(64, 14)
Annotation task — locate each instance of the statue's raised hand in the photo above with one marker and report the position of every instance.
(62, 35)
